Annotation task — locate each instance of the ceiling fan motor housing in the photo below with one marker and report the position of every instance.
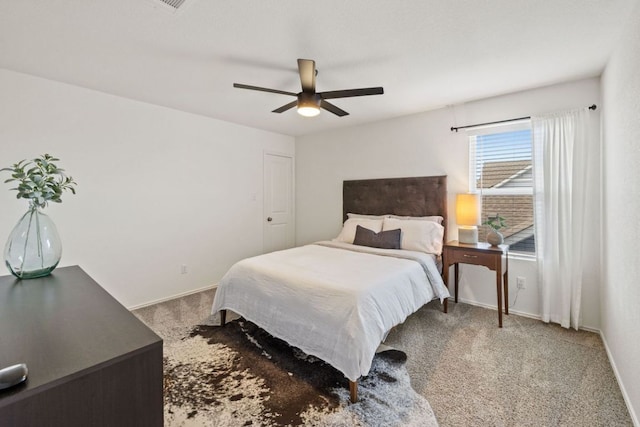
(306, 99)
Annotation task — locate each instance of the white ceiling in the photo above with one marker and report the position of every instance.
(425, 53)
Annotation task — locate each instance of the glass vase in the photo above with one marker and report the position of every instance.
(34, 248)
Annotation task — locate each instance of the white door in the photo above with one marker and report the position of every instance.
(279, 226)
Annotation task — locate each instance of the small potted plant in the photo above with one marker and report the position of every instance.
(495, 223)
(34, 248)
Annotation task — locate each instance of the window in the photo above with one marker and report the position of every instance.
(500, 168)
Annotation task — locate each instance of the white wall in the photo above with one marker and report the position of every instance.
(157, 188)
(422, 145)
(621, 278)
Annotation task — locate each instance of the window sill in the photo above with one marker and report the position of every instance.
(521, 256)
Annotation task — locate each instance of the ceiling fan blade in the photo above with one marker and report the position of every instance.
(335, 110)
(286, 107)
(263, 89)
(348, 93)
(307, 71)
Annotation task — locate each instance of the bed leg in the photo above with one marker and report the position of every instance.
(223, 317)
(353, 391)
(445, 305)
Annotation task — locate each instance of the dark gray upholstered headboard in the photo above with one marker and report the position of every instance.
(420, 196)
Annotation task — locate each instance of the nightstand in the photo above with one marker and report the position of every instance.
(455, 253)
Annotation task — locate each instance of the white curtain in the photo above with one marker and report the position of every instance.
(560, 145)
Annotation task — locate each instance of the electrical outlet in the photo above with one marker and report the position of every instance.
(183, 269)
(520, 282)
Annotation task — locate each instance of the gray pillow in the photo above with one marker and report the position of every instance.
(389, 239)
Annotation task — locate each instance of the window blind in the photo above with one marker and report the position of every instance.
(500, 169)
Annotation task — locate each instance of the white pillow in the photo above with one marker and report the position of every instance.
(348, 233)
(434, 218)
(355, 215)
(422, 236)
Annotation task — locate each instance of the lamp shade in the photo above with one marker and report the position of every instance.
(468, 209)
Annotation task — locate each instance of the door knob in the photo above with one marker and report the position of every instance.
(269, 219)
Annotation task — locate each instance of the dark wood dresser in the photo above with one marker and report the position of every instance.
(91, 362)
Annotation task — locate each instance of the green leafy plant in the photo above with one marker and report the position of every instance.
(496, 223)
(40, 180)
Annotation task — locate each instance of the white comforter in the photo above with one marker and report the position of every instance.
(335, 301)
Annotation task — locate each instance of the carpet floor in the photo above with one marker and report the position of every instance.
(470, 372)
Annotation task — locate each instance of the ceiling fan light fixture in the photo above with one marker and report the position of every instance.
(308, 110)
(308, 104)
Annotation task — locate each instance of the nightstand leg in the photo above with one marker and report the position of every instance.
(499, 290)
(455, 269)
(506, 292)
(445, 277)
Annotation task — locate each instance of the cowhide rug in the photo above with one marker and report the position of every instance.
(239, 375)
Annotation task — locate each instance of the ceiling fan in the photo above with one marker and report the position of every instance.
(309, 101)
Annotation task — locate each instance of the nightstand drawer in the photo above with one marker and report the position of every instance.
(472, 257)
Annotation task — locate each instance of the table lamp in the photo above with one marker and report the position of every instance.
(468, 217)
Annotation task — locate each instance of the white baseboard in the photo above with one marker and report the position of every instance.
(493, 307)
(520, 313)
(625, 396)
(180, 295)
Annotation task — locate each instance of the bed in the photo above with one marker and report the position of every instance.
(337, 300)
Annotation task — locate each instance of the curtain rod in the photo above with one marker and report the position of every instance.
(591, 107)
